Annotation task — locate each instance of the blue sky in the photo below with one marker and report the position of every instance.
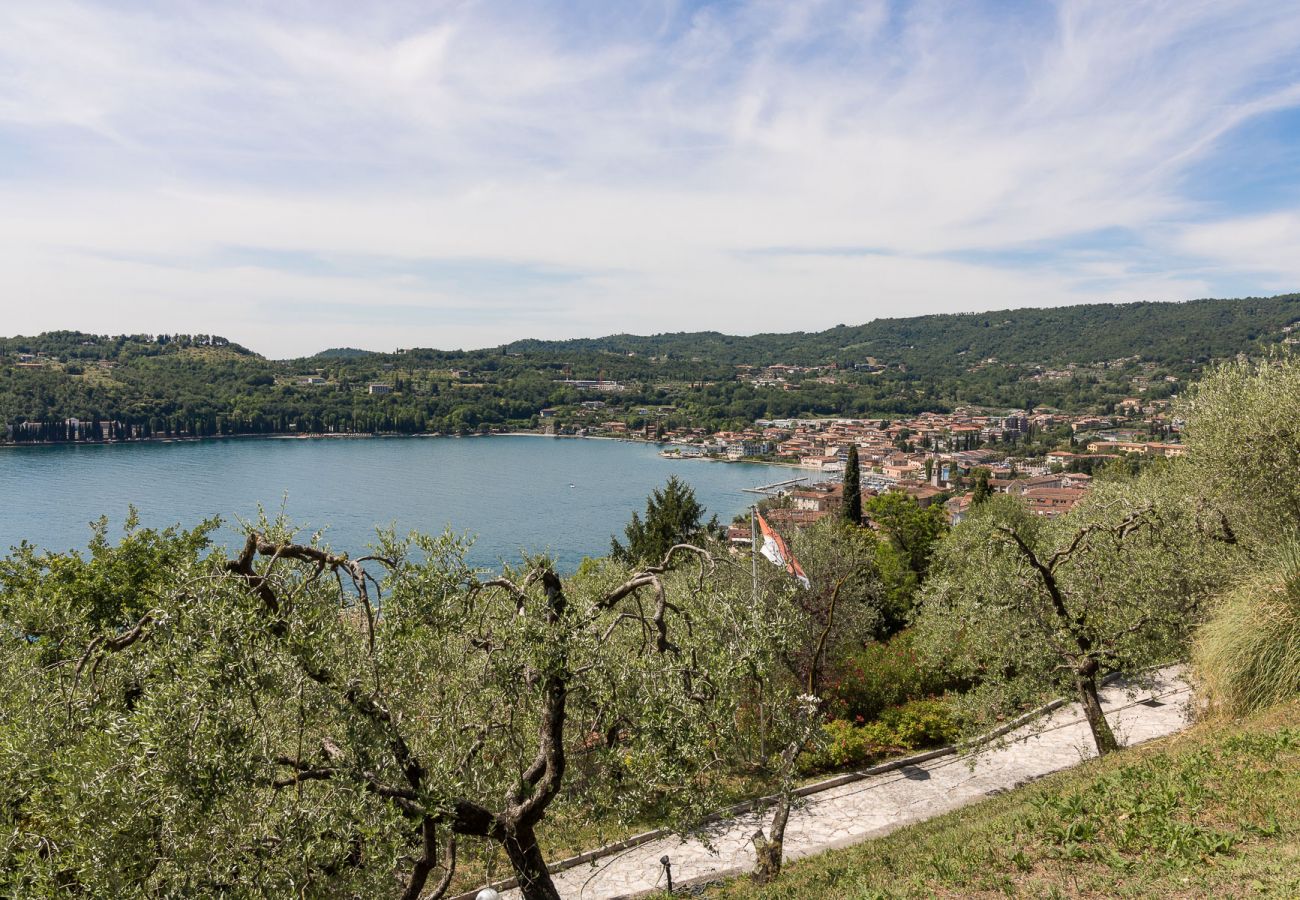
(301, 175)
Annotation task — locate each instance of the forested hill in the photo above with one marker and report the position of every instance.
(1175, 333)
(79, 345)
(1080, 358)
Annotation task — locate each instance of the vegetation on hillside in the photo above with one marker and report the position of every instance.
(1026, 608)
(1074, 358)
(1244, 432)
(1199, 330)
(245, 725)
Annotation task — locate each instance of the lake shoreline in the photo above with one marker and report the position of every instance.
(314, 436)
(513, 495)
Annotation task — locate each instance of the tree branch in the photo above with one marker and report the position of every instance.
(815, 666)
(363, 704)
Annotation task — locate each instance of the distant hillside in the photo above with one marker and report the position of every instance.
(1077, 358)
(1192, 332)
(74, 345)
(342, 353)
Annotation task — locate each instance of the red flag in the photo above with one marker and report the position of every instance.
(775, 549)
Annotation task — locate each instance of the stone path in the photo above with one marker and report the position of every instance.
(880, 803)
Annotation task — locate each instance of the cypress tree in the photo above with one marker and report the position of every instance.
(852, 488)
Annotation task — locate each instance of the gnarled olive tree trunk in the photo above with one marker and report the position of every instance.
(512, 827)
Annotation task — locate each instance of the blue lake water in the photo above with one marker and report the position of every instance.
(535, 494)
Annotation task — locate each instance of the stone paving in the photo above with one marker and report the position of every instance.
(880, 803)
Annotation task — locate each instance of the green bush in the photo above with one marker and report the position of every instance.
(1248, 654)
(918, 724)
(846, 745)
(880, 675)
(912, 726)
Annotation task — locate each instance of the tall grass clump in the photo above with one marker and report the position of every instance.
(1247, 654)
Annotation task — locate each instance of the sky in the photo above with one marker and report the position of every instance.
(296, 176)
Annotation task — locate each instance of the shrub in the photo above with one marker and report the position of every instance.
(846, 745)
(879, 676)
(912, 726)
(921, 723)
(1248, 653)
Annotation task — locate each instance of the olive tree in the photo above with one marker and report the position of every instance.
(843, 605)
(83, 760)
(292, 720)
(1023, 606)
(1243, 438)
(798, 633)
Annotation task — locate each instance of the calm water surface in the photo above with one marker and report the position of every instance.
(564, 496)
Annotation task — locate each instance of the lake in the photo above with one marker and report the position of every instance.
(559, 495)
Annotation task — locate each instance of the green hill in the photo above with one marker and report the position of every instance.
(342, 353)
(80, 345)
(1190, 332)
(1080, 358)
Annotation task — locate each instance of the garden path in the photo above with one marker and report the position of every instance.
(848, 813)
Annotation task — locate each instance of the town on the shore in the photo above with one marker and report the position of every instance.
(1045, 457)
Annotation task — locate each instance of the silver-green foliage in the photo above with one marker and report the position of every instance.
(843, 605)
(1243, 438)
(1024, 607)
(259, 726)
(1243, 435)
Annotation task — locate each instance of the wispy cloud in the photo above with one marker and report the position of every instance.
(596, 167)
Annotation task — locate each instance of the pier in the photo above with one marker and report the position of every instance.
(775, 486)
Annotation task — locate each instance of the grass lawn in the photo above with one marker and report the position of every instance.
(1214, 811)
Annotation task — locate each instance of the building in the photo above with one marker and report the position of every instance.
(957, 507)
(824, 463)
(746, 449)
(822, 497)
(794, 518)
(1143, 448)
(378, 389)
(1052, 502)
(923, 494)
(740, 535)
(592, 384)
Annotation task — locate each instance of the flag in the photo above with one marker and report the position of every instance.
(774, 548)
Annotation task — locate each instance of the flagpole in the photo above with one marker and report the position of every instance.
(753, 548)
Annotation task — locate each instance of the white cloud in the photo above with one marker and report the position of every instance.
(1267, 244)
(649, 156)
